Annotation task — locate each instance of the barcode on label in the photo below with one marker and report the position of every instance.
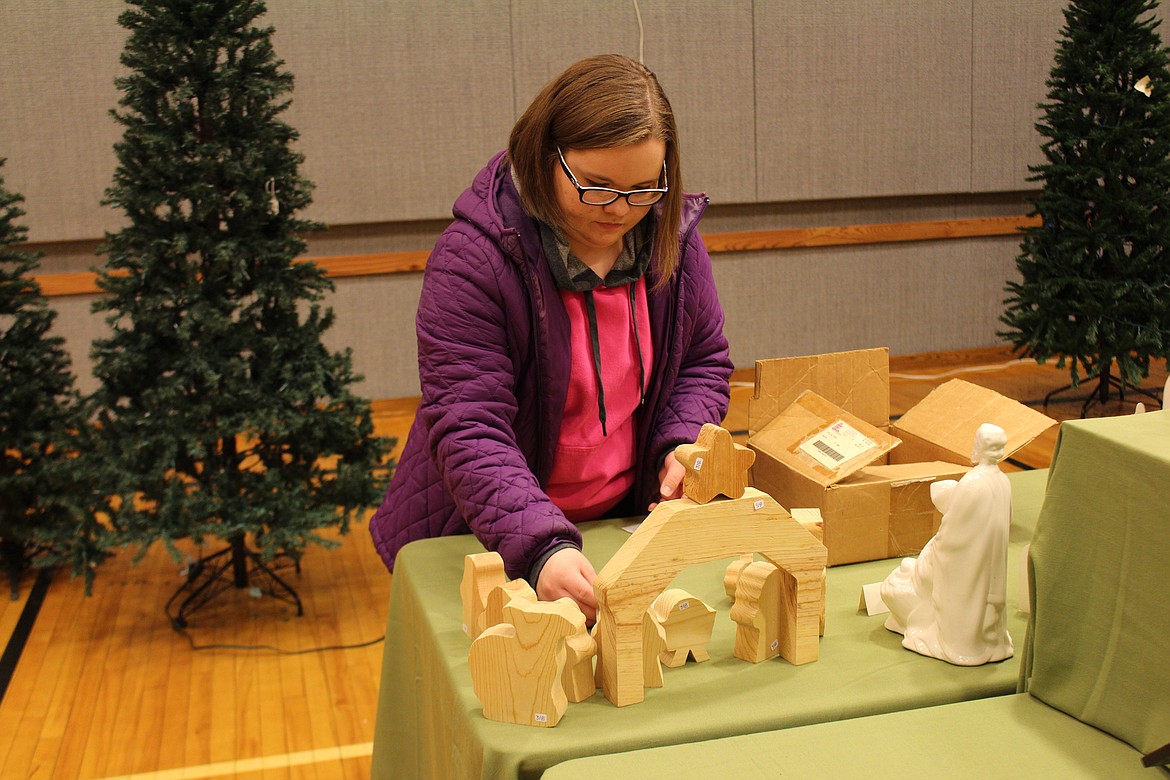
(825, 448)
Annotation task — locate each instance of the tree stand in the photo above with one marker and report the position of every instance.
(234, 566)
(13, 559)
(1101, 393)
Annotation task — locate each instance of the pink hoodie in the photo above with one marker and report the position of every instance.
(592, 472)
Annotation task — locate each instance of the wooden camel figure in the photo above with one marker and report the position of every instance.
(517, 666)
(483, 573)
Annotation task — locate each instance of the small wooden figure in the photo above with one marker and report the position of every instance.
(481, 573)
(653, 648)
(731, 577)
(577, 678)
(714, 465)
(687, 623)
(516, 666)
(501, 596)
(757, 611)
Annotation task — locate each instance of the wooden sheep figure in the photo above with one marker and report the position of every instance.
(686, 622)
(517, 666)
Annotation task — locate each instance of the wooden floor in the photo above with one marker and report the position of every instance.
(105, 688)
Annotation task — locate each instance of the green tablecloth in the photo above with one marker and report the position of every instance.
(430, 725)
(1100, 651)
(1002, 737)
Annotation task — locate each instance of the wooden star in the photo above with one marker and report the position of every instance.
(715, 465)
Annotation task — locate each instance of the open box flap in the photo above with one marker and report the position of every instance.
(942, 426)
(822, 441)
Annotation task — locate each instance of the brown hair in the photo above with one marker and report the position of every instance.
(598, 103)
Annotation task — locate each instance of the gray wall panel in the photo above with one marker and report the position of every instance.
(862, 99)
(911, 297)
(375, 318)
(398, 104)
(57, 67)
(704, 61)
(1014, 42)
(79, 328)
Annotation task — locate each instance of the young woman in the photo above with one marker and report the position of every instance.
(569, 335)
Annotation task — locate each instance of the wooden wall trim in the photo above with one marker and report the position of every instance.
(347, 266)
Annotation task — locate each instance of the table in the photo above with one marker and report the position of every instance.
(430, 724)
(1100, 661)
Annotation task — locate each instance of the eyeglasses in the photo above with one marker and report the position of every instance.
(603, 196)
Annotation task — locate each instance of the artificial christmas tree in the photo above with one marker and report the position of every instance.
(47, 497)
(224, 413)
(1096, 272)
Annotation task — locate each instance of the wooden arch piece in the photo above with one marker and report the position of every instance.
(678, 534)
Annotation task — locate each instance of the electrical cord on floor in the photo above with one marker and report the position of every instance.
(268, 648)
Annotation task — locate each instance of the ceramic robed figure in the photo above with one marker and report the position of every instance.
(950, 601)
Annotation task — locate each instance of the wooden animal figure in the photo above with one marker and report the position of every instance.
(732, 574)
(687, 623)
(481, 573)
(577, 678)
(516, 666)
(653, 648)
(811, 519)
(501, 596)
(757, 611)
(714, 465)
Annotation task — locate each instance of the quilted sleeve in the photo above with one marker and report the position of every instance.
(468, 376)
(701, 390)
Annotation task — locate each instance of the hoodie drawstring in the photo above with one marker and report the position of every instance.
(595, 341)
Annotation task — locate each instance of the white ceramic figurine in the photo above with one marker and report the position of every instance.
(949, 602)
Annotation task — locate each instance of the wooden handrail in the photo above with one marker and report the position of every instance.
(347, 266)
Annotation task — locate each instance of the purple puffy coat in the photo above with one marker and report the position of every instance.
(493, 356)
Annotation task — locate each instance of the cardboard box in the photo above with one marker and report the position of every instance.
(874, 500)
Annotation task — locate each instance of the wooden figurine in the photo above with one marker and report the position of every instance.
(501, 596)
(653, 648)
(757, 611)
(715, 465)
(810, 518)
(481, 573)
(681, 533)
(731, 577)
(577, 678)
(516, 666)
(687, 623)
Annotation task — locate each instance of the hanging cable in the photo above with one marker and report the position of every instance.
(641, 35)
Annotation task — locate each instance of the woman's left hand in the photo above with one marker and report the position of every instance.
(670, 479)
